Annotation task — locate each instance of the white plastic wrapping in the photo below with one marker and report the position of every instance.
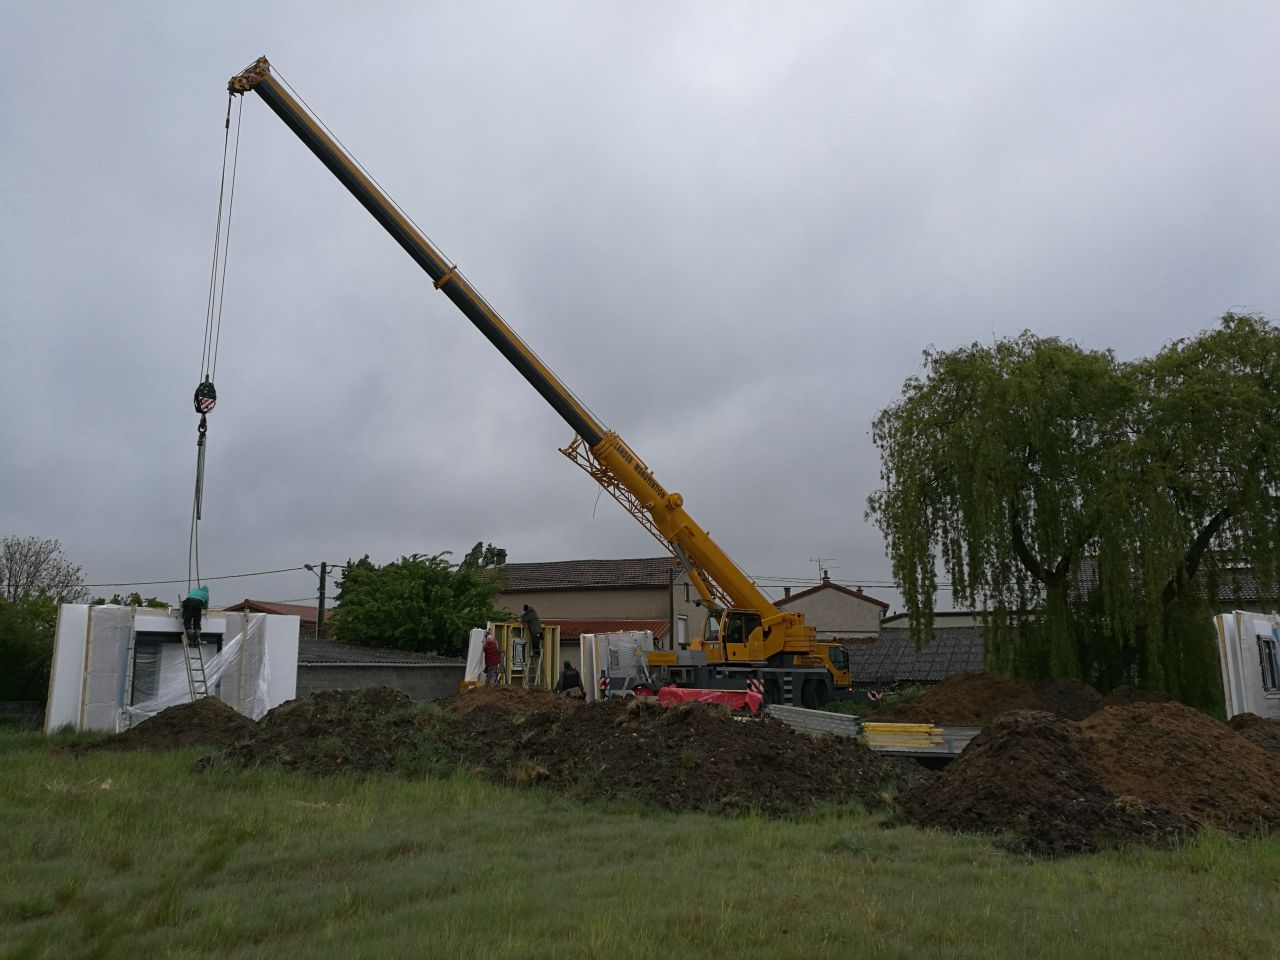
(475, 655)
(175, 688)
(99, 664)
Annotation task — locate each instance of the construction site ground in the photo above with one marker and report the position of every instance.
(1057, 769)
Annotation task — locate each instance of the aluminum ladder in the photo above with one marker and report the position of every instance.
(194, 657)
(533, 670)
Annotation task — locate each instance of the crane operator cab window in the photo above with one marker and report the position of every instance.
(839, 658)
(739, 624)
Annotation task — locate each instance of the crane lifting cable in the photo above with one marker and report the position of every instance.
(206, 395)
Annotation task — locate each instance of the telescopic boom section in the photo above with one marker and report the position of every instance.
(611, 461)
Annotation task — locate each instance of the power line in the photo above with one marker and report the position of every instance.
(230, 576)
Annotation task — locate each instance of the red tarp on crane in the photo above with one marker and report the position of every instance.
(733, 699)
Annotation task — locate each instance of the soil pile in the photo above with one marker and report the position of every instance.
(690, 757)
(1124, 695)
(204, 723)
(973, 699)
(1189, 762)
(1030, 774)
(1264, 733)
(1144, 774)
(332, 731)
(965, 699)
(1069, 699)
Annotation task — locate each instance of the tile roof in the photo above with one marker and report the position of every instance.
(894, 659)
(645, 573)
(828, 585)
(1236, 584)
(574, 629)
(304, 612)
(315, 652)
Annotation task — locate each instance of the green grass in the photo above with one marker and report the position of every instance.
(138, 855)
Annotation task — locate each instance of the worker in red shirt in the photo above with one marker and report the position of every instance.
(492, 659)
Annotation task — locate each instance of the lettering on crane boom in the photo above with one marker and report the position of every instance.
(641, 470)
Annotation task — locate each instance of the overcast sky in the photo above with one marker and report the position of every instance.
(730, 228)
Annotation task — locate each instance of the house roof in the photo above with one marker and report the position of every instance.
(828, 585)
(938, 616)
(574, 629)
(312, 652)
(646, 573)
(894, 659)
(305, 613)
(1235, 584)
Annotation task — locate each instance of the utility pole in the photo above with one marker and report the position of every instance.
(323, 574)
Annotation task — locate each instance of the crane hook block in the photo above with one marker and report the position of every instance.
(206, 397)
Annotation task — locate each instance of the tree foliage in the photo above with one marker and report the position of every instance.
(421, 603)
(26, 647)
(1111, 499)
(34, 578)
(134, 599)
(31, 566)
(483, 555)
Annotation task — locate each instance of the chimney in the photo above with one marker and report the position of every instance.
(786, 593)
(826, 577)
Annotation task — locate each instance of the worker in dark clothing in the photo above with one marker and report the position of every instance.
(533, 629)
(196, 603)
(570, 682)
(492, 660)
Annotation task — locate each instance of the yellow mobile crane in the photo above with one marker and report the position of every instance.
(748, 642)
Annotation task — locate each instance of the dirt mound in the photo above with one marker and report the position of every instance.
(1029, 774)
(965, 699)
(1264, 733)
(1069, 699)
(972, 699)
(1124, 695)
(691, 757)
(1177, 756)
(332, 731)
(510, 699)
(207, 722)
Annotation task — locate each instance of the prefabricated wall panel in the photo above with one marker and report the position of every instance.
(1246, 642)
(91, 683)
(67, 671)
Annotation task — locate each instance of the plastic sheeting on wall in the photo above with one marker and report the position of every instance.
(475, 654)
(617, 656)
(102, 655)
(241, 653)
(1249, 655)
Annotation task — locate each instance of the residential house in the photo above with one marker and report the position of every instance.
(599, 596)
(837, 612)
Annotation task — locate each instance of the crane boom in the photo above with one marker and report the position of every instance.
(601, 452)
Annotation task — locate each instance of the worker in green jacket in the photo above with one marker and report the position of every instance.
(196, 603)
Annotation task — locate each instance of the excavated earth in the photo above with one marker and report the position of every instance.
(694, 757)
(973, 699)
(1265, 733)
(1147, 773)
(690, 757)
(208, 722)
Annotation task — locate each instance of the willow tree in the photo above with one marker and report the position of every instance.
(1094, 507)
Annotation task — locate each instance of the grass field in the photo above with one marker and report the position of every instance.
(139, 855)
